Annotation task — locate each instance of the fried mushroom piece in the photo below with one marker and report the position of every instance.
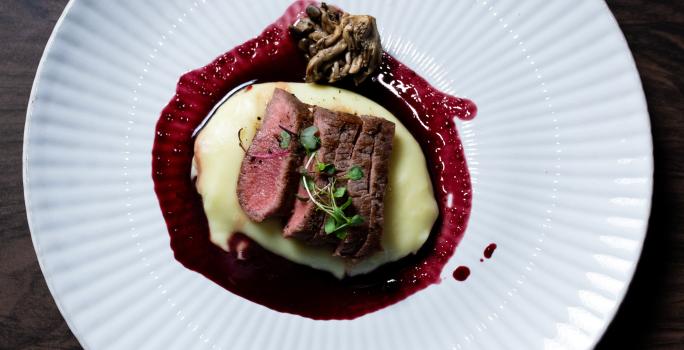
(338, 45)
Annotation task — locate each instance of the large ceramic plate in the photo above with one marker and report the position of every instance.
(560, 156)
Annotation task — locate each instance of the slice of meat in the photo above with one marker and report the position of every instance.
(379, 177)
(348, 135)
(358, 189)
(338, 133)
(306, 221)
(371, 153)
(268, 175)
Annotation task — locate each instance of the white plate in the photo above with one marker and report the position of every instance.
(560, 156)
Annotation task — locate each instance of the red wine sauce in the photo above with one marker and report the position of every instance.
(489, 250)
(254, 273)
(461, 273)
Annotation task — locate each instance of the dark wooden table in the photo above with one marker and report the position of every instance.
(651, 317)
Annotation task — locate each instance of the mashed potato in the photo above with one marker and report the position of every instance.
(410, 208)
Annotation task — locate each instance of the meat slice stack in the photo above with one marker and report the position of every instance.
(371, 153)
(337, 132)
(269, 177)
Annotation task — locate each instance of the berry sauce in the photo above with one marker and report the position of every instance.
(256, 274)
(489, 250)
(461, 273)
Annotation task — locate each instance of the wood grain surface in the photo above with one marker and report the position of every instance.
(651, 317)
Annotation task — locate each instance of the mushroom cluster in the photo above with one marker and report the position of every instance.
(338, 45)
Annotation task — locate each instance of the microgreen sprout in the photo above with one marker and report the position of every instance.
(309, 140)
(285, 139)
(354, 173)
(325, 168)
(325, 198)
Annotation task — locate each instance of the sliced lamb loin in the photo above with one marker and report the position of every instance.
(268, 175)
(371, 153)
(358, 189)
(338, 132)
(306, 222)
(349, 132)
(380, 162)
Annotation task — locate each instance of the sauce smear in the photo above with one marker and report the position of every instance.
(489, 250)
(251, 271)
(461, 273)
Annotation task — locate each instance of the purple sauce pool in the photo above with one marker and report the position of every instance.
(256, 274)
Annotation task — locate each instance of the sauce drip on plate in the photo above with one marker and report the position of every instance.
(489, 250)
(256, 274)
(461, 273)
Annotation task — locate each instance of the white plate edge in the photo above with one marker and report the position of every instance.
(48, 47)
(24, 173)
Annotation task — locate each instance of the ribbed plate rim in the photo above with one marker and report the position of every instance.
(80, 337)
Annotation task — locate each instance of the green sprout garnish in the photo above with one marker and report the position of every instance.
(285, 139)
(354, 173)
(340, 192)
(325, 168)
(325, 198)
(309, 140)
